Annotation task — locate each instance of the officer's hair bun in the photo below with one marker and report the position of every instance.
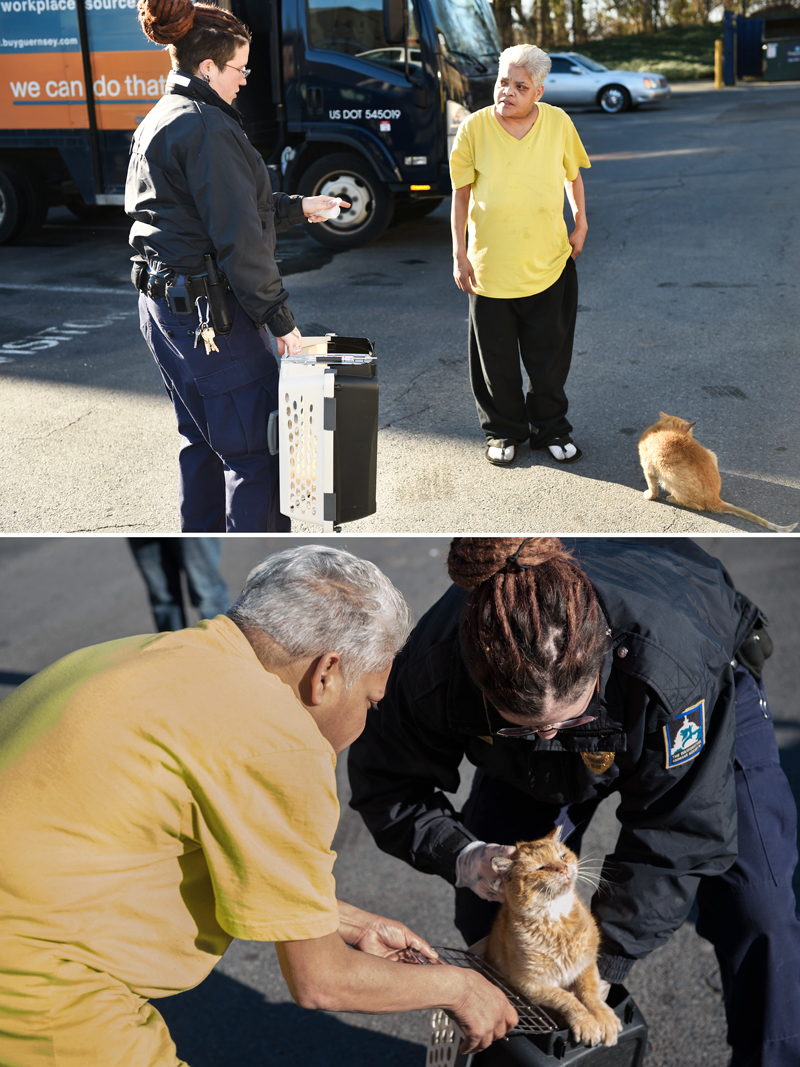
(474, 560)
(166, 21)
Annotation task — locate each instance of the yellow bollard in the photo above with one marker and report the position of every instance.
(718, 64)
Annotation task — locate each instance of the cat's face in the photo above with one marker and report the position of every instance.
(539, 871)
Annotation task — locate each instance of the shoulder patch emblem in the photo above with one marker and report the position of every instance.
(685, 736)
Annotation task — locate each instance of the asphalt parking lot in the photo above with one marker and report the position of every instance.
(688, 305)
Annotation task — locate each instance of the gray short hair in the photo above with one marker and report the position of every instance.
(314, 599)
(533, 59)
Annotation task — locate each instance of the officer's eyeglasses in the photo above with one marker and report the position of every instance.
(245, 72)
(527, 731)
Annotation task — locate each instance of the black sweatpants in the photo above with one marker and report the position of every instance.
(540, 329)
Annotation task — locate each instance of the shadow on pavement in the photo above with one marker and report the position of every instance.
(225, 1022)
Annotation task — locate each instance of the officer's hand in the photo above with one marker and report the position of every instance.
(290, 344)
(312, 205)
(474, 869)
(483, 1013)
(603, 989)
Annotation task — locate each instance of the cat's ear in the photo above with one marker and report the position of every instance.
(502, 865)
(555, 833)
(663, 415)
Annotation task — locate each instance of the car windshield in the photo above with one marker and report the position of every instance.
(469, 32)
(597, 68)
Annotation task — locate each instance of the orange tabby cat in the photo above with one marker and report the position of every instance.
(689, 472)
(545, 941)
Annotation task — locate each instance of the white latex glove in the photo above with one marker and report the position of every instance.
(474, 869)
(603, 989)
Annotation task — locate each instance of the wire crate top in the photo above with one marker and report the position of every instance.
(532, 1019)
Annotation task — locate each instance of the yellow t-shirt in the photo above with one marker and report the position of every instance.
(518, 241)
(158, 796)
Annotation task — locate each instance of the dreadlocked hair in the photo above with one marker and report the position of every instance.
(532, 630)
(193, 32)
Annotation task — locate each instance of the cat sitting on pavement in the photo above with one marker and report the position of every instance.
(544, 940)
(670, 456)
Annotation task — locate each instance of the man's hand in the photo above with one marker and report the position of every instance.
(603, 989)
(464, 273)
(483, 1013)
(290, 344)
(576, 239)
(314, 204)
(379, 936)
(474, 869)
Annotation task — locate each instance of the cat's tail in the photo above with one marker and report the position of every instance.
(731, 509)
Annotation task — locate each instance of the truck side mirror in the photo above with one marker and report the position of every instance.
(394, 21)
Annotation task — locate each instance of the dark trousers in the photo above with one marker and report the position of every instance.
(540, 329)
(222, 400)
(162, 560)
(748, 914)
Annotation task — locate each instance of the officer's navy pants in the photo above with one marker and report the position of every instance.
(228, 479)
(748, 914)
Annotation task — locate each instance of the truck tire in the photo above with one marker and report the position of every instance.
(12, 205)
(349, 176)
(23, 204)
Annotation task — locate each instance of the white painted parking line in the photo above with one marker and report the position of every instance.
(52, 336)
(67, 289)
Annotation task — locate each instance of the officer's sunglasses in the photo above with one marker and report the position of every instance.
(245, 72)
(527, 731)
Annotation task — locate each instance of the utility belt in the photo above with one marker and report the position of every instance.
(182, 292)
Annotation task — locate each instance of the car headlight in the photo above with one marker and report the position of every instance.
(652, 83)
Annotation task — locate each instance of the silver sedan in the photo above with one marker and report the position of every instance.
(575, 81)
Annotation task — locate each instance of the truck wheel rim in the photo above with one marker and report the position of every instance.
(356, 193)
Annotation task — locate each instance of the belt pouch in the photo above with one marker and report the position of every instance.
(178, 299)
(217, 298)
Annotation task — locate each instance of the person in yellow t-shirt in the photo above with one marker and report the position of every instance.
(510, 165)
(161, 795)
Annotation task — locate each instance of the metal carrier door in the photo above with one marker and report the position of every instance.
(306, 442)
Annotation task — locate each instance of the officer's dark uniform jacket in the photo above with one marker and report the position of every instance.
(676, 621)
(196, 185)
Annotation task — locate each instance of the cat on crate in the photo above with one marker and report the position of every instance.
(669, 455)
(544, 940)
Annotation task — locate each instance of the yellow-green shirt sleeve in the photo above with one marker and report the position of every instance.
(575, 155)
(266, 827)
(462, 161)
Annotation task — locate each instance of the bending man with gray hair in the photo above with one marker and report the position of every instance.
(162, 795)
(510, 165)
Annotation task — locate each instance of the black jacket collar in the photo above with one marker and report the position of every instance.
(182, 84)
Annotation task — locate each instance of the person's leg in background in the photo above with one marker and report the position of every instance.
(749, 914)
(500, 814)
(200, 557)
(162, 575)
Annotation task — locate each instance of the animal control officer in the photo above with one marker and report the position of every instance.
(200, 197)
(564, 676)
